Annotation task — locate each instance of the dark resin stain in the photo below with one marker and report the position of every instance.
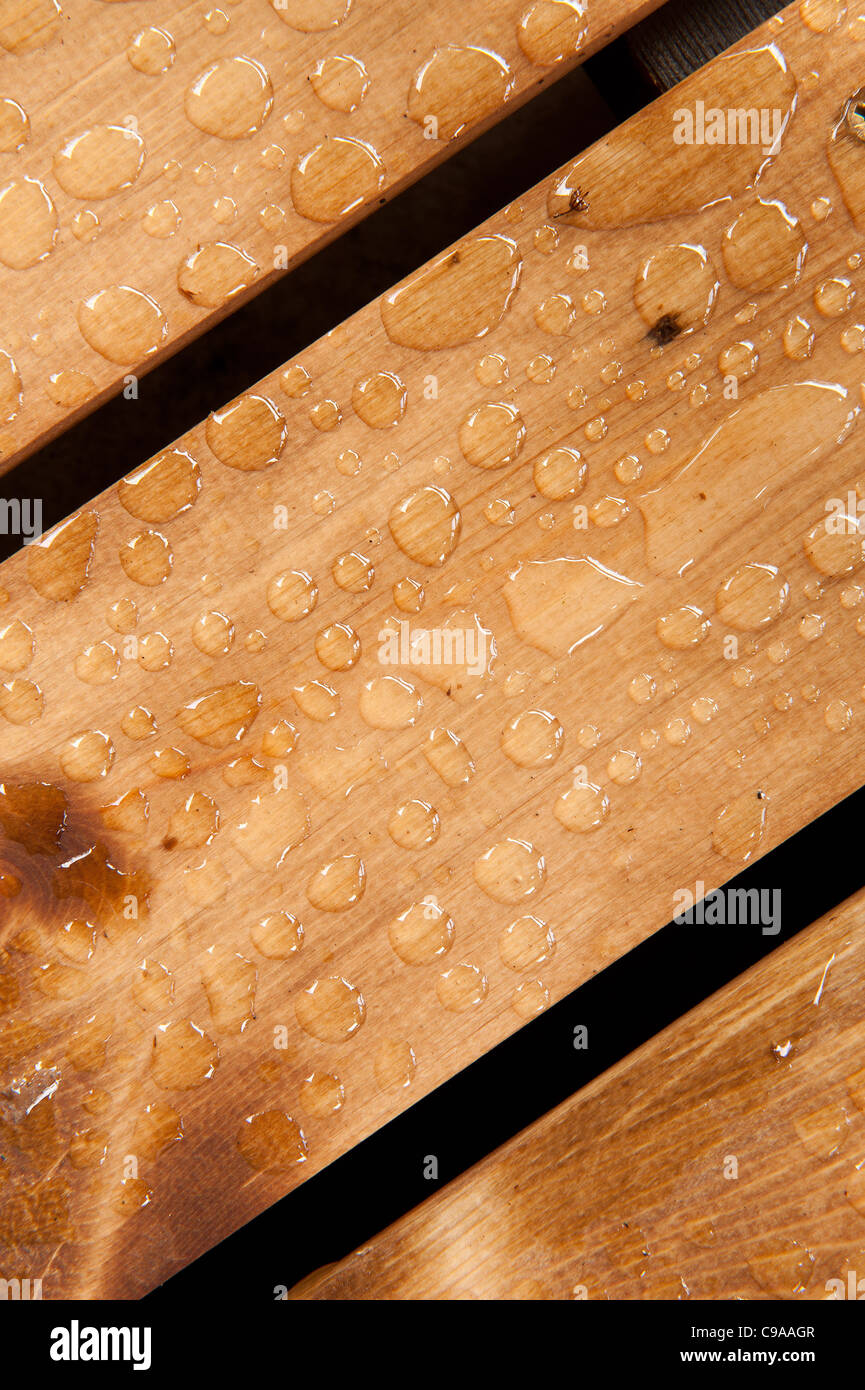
(665, 330)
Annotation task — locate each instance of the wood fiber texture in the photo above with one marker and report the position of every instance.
(174, 159)
(600, 434)
(721, 1160)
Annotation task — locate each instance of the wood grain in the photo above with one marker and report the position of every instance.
(706, 1165)
(145, 184)
(166, 670)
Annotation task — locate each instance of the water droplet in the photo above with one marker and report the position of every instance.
(272, 1141)
(492, 436)
(510, 870)
(99, 162)
(335, 177)
(646, 185)
(122, 324)
(161, 489)
(379, 400)
(426, 525)
(462, 987)
(231, 99)
(752, 597)
(765, 248)
(583, 807)
(707, 498)
(461, 295)
(292, 595)
(556, 605)
(330, 1009)
(414, 824)
(249, 434)
(321, 1094)
(526, 943)
(14, 126)
(552, 30)
(448, 756)
(28, 223)
(152, 51)
(183, 1056)
(457, 87)
(740, 826)
(675, 291)
(311, 16)
(340, 82)
(532, 739)
(59, 562)
(215, 273)
(387, 702)
(278, 936)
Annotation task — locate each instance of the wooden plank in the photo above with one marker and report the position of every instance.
(175, 159)
(706, 753)
(722, 1160)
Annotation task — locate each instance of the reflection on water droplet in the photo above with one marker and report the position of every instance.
(312, 16)
(14, 126)
(457, 87)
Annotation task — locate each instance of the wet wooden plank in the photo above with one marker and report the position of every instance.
(161, 162)
(675, 688)
(721, 1160)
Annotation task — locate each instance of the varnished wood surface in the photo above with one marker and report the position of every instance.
(164, 598)
(318, 85)
(721, 1160)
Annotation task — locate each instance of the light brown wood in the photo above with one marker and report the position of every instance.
(176, 158)
(722, 1160)
(130, 604)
